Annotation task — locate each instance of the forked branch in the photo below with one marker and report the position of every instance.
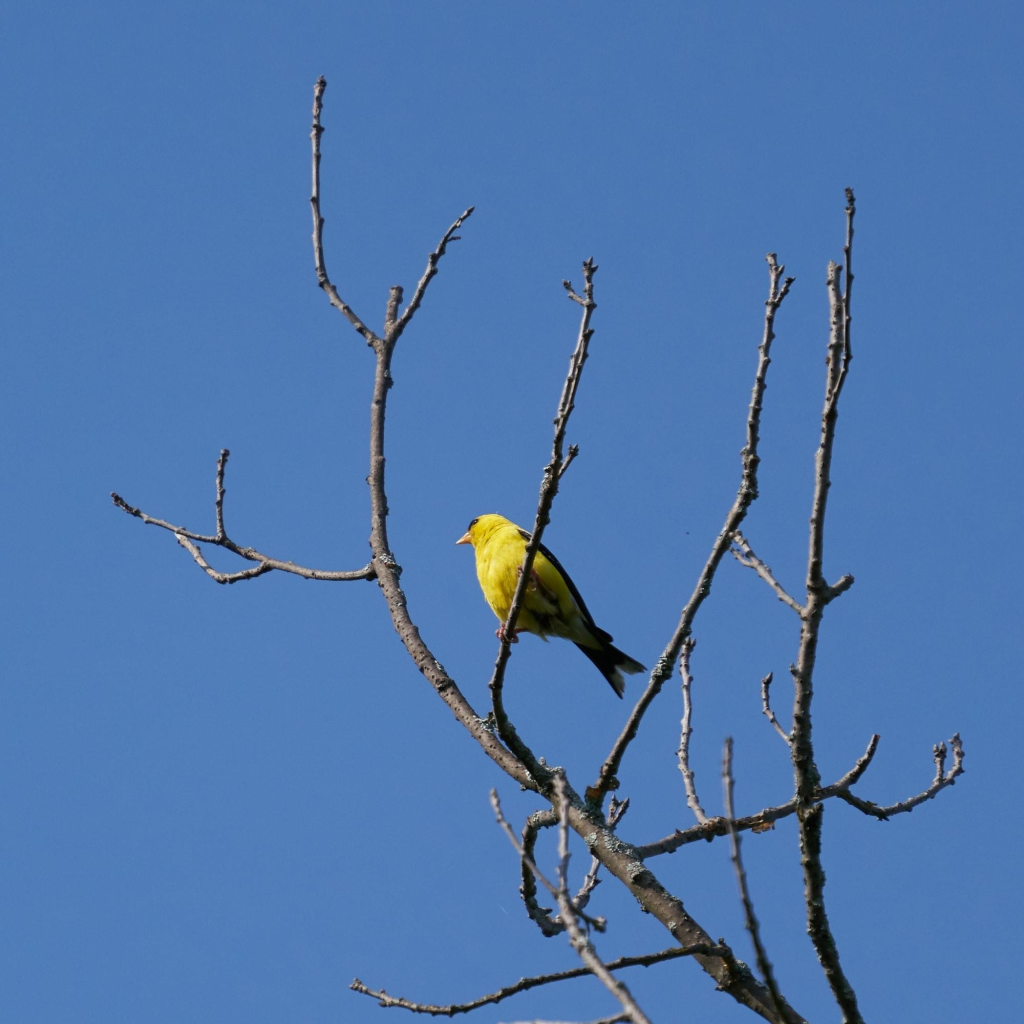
(943, 779)
(265, 563)
(318, 224)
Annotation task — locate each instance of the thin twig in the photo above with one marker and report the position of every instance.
(854, 774)
(548, 490)
(766, 707)
(222, 465)
(318, 224)
(525, 984)
(744, 554)
(683, 753)
(574, 450)
(391, 310)
(432, 261)
(839, 587)
(607, 779)
(753, 927)
(189, 541)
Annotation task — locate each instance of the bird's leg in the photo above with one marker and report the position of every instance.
(500, 634)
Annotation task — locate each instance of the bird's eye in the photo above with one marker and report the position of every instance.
(472, 524)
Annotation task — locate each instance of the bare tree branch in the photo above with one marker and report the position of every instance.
(762, 821)
(839, 587)
(318, 224)
(432, 261)
(806, 776)
(744, 554)
(683, 753)
(854, 774)
(525, 984)
(548, 490)
(766, 707)
(218, 501)
(745, 496)
(384, 563)
(763, 963)
(266, 564)
(942, 780)
(574, 450)
(391, 310)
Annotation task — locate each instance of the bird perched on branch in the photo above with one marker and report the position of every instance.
(553, 606)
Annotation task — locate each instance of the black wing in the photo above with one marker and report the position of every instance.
(599, 633)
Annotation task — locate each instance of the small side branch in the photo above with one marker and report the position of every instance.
(574, 450)
(942, 780)
(753, 927)
(744, 554)
(683, 753)
(190, 542)
(778, 289)
(854, 774)
(318, 224)
(766, 707)
(433, 259)
(548, 490)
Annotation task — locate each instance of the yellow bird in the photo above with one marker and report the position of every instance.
(553, 606)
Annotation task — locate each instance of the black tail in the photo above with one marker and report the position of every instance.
(611, 663)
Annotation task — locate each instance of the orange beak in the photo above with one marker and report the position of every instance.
(465, 539)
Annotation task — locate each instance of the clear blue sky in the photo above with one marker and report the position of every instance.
(221, 804)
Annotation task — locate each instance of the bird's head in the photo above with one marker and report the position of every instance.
(483, 527)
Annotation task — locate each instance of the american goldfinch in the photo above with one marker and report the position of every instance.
(553, 606)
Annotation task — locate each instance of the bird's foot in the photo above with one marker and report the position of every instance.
(500, 634)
